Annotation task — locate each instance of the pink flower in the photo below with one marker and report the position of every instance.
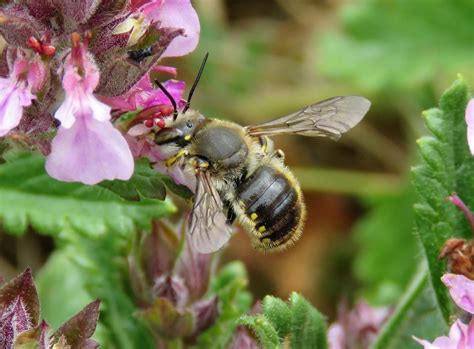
(357, 328)
(87, 148)
(176, 14)
(144, 95)
(14, 95)
(461, 336)
(461, 290)
(470, 125)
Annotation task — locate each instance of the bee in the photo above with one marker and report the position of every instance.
(240, 176)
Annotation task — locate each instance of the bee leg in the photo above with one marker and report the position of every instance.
(199, 163)
(171, 161)
(266, 144)
(278, 154)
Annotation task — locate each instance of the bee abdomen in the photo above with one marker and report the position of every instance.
(274, 206)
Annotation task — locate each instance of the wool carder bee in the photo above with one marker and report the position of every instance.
(239, 175)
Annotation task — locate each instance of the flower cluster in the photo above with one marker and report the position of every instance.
(460, 255)
(20, 325)
(69, 68)
(461, 335)
(170, 281)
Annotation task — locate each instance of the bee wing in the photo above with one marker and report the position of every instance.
(329, 118)
(208, 228)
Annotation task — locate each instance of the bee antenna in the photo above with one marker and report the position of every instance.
(198, 76)
(170, 97)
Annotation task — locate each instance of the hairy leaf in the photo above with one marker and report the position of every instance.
(446, 167)
(263, 328)
(28, 196)
(298, 324)
(308, 326)
(278, 313)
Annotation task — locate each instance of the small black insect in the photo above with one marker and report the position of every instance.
(140, 54)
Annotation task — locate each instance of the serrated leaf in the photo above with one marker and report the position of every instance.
(145, 182)
(417, 314)
(78, 329)
(263, 328)
(278, 313)
(29, 196)
(446, 167)
(397, 43)
(308, 326)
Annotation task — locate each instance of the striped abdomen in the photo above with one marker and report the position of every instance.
(273, 207)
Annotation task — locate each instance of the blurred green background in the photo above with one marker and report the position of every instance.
(272, 57)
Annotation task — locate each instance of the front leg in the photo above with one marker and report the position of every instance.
(174, 159)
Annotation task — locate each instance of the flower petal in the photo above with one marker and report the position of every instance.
(12, 101)
(461, 290)
(470, 125)
(156, 97)
(336, 337)
(179, 14)
(66, 111)
(89, 152)
(100, 111)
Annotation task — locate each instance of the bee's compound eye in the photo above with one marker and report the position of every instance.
(189, 124)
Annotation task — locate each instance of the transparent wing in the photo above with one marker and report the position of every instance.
(208, 228)
(329, 118)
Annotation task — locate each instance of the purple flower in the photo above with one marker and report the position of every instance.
(470, 125)
(15, 93)
(358, 327)
(461, 290)
(461, 336)
(170, 282)
(143, 95)
(87, 148)
(177, 14)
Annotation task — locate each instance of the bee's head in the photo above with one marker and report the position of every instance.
(185, 122)
(181, 130)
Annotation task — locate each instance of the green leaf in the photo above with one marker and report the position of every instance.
(28, 196)
(56, 287)
(387, 248)
(417, 314)
(102, 265)
(308, 326)
(446, 167)
(400, 43)
(263, 328)
(278, 313)
(234, 301)
(180, 190)
(297, 322)
(145, 182)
